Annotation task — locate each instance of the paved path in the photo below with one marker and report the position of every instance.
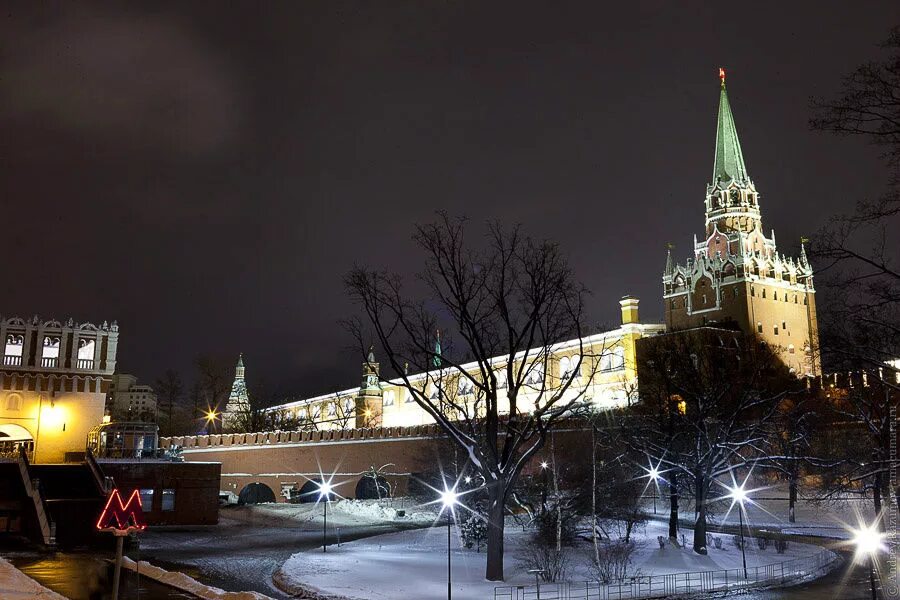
(243, 551)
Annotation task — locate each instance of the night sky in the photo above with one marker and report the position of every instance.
(206, 172)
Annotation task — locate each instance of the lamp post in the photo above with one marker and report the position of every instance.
(324, 494)
(868, 542)
(739, 494)
(544, 467)
(449, 499)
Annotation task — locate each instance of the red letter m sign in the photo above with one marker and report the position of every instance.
(119, 517)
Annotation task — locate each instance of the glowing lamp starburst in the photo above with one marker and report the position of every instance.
(738, 494)
(449, 499)
(867, 540)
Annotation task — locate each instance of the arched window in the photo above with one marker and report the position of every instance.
(388, 398)
(564, 366)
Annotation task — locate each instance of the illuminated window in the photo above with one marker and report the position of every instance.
(535, 374)
(564, 366)
(146, 499)
(316, 411)
(168, 500)
(50, 352)
(13, 353)
(465, 387)
(86, 349)
(388, 398)
(349, 405)
(790, 348)
(332, 409)
(407, 398)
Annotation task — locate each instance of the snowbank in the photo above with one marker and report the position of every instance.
(375, 511)
(188, 584)
(16, 585)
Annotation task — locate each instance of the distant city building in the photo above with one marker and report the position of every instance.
(54, 380)
(238, 405)
(129, 401)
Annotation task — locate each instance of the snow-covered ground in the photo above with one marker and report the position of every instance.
(15, 585)
(768, 508)
(413, 564)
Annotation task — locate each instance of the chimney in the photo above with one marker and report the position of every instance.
(629, 309)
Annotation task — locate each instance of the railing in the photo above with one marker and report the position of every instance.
(48, 361)
(659, 586)
(12, 360)
(85, 363)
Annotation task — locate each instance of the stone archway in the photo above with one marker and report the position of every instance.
(309, 491)
(372, 488)
(256, 493)
(12, 438)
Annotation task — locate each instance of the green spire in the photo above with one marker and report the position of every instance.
(729, 158)
(436, 359)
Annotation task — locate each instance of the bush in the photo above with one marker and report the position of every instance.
(615, 562)
(781, 546)
(553, 563)
(663, 540)
(737, 542)
(762, 543)
(545, 527)
(474, 532)
(717, 541)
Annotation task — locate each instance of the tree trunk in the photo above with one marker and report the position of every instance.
(496, 512)
(876, 498)
(792, 498)
(700, 508)
(673, 505)
(594, 496)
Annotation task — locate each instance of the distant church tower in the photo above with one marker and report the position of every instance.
(736, 273)
(369, 407)
(238, 401)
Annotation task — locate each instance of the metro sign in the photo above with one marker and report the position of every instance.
(122, 519)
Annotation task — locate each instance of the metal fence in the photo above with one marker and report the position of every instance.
(658, 586)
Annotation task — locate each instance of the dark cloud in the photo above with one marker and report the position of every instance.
(140, 83)
(207, 172)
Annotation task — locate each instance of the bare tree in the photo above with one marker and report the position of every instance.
(706, 404)
(211, 388)
(859, 252)
(169, 390)
(513, 298)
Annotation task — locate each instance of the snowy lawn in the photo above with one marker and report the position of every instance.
(413, 564)
(768, 509)
(16, 585)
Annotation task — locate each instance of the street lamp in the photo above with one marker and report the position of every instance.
(654, 477)
(324, 493)
(449, 499)
(868, 542)
(739, 494)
